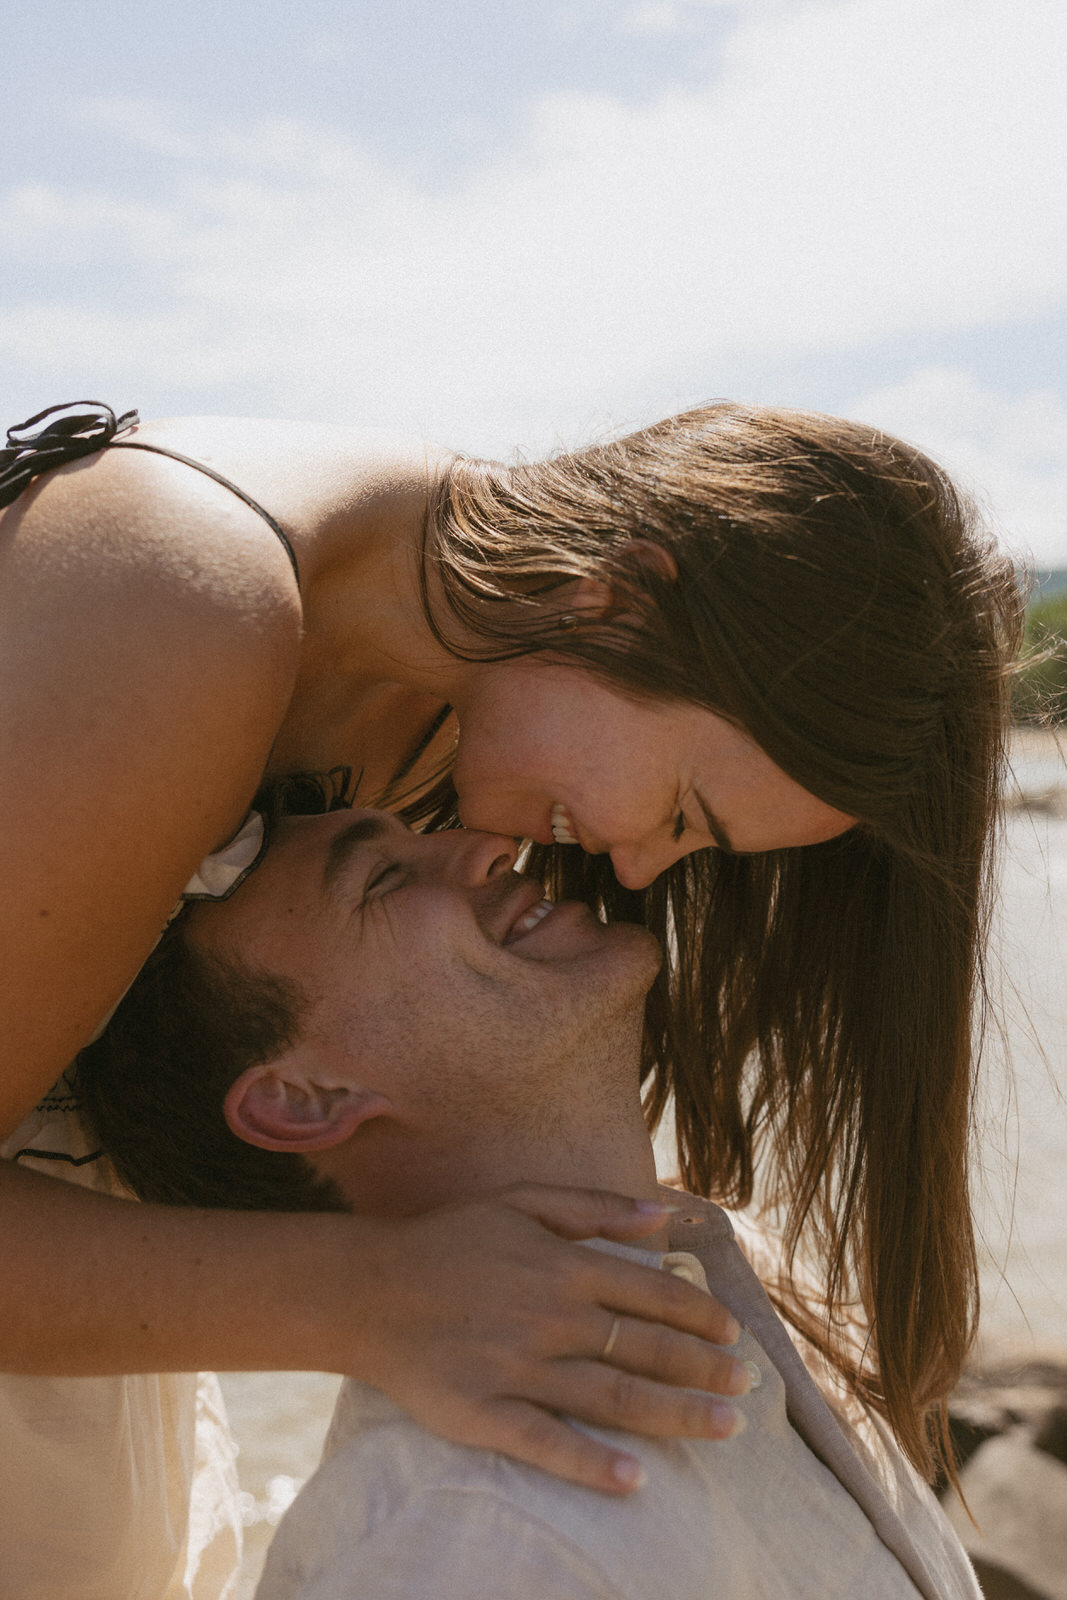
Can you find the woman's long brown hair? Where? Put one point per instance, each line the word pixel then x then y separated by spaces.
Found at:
pixel 817 1020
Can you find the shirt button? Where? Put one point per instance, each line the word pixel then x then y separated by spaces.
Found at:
pixel 688 1270
pixel 754 1373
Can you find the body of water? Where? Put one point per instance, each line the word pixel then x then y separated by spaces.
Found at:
pixel 1021 1181
pixel 279 1419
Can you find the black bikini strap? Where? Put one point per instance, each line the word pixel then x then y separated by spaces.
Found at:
pixel 76 430
pixel 209 472
pixel 82 427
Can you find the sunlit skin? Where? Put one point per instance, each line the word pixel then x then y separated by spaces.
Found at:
pixel 330 885
pixel 162 659
pixel 647 783
pixel 441 991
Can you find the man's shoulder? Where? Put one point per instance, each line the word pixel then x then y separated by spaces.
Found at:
pixel 393 1496
pixel 466 1536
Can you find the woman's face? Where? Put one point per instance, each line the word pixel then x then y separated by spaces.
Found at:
pixel 543 744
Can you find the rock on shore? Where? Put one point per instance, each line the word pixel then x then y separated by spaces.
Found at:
pixel 1009 1426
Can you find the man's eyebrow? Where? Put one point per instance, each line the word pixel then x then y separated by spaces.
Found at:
pixel 714 826
pixel 345 844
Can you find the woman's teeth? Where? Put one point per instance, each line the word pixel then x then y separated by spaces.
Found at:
pixel 529 920
pixel 562 826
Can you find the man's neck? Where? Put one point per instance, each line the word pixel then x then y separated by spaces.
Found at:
pixel 587 1140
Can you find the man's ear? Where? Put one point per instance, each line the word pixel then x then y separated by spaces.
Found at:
pixel 279 1108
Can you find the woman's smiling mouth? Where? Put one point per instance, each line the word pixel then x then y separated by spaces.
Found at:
pixel 563 829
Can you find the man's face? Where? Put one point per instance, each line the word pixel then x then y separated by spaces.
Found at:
pixel 426 959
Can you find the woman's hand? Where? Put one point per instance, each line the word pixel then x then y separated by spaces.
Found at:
pixel 484 1325
pixel 479 1318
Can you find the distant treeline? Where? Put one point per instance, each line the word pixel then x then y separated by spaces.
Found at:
pixel 1040 693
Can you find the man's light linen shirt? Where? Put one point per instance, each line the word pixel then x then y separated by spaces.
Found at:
pixel 395 1513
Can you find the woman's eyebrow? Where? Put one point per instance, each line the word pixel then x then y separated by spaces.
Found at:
pixel 714 826
pixel 344 845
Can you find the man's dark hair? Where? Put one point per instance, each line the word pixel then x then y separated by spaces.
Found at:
pixel 153 1085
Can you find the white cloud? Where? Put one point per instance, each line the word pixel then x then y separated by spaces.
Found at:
pixel 855 170
pixel 142 121
pixel 678 16
pixel 70 229
pixel 654 16
pixel 327 48
pixel 1012 451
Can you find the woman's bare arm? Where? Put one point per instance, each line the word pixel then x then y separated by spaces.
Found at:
pixel 148 642
pixel 477 1319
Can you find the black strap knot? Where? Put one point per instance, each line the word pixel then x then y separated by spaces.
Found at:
pixel 53 436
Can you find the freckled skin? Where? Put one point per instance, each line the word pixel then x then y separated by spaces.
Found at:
pixel 632 776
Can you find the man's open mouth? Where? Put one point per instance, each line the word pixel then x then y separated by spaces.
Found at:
pixel 527 919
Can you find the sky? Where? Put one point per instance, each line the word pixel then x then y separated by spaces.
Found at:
pixel 529 225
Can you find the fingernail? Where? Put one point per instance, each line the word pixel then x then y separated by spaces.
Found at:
pixel 628 1472
pixel 739 1378
pixel 655 1208
pixel 731 1331
pixel 728 1422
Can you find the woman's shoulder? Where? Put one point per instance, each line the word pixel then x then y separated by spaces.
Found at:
pixel 134 587
pixel 122 522
pixel 302 471
pixel 230 509
pixel 149 637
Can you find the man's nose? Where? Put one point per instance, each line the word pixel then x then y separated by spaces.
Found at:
pixel 475 857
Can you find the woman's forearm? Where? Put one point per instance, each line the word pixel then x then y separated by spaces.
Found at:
pixel 480 1319
pixel 96 1285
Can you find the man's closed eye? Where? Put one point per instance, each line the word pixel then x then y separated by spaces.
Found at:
pixel 382 879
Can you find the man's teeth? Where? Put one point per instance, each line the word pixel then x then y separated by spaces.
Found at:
pixel 530 919
pixel 562 826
